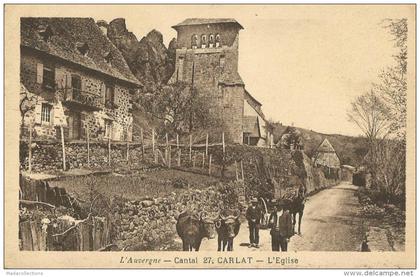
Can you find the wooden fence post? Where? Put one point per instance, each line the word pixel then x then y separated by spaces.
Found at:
pixel 142 141
pixel 236 171
pixel 242 170
pixel 223 142
pixel 88 146
pixel 207 144
pixel 194 160
pixel 30 148
pixel 204 161
pixel 109 151
pixel 190 147
pixel 210 165
pixel 169 157
pixel 179 157
pixel 177 141
pixel 62 144
pixel 167 147
pixel 128 150
pixel 153 140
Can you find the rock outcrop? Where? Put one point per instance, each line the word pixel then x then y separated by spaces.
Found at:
pixel 148 58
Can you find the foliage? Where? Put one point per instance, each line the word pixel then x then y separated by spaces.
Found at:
pixel 179 107
pixel 291 139
pixel 350 150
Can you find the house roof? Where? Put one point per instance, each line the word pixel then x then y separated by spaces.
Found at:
pixel 325 147
pixel 250 125
pixel 66 35
pixel 202 21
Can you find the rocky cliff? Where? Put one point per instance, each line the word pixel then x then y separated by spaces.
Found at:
pixel 148 58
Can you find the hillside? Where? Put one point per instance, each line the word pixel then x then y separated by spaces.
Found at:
pixel 350 150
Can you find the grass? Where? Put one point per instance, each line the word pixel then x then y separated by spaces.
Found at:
pixel 157 183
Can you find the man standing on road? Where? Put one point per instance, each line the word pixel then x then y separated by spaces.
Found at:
pixel 253 215
pixel 281 227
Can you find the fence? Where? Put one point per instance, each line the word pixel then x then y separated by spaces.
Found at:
pixel 193 152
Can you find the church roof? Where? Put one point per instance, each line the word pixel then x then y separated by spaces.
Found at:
pixel 325 147
pixel 203 21
pixel 67 36
pixel 252 98
pixel 251 126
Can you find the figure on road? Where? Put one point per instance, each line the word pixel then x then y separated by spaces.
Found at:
pixel 281 227
pixel 253 215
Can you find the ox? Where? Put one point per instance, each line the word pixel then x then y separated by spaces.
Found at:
pixel 192 228
pixel 227 229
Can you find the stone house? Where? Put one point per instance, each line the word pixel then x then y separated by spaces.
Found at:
pixel 76 78
pixel 207 59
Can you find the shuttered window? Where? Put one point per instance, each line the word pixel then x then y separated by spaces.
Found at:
pixel 48 79
pixel 46 113
pixel 109 96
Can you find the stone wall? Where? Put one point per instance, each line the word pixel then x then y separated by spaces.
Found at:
pixel 47 156
pixel 147 224
pixel 150 224
pixel 90 83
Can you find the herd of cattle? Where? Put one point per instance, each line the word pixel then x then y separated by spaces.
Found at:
pixel 193 227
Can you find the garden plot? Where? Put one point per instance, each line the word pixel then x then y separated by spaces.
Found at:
pixel 135 185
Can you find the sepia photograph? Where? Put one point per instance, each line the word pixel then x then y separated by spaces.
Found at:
pixel 264 131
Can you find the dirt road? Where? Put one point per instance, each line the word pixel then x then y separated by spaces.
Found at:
pixel 330 223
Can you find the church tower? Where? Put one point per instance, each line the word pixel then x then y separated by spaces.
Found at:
pixel 207 59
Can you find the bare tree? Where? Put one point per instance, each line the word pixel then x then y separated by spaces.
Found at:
pixel 381 115
pixel 393 80
pixel 370 114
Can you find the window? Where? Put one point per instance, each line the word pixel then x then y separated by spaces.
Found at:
pixel 211 41
pixel 45 32
pixel 108 57
pixel 108 127
pixel 203 41
pixel 46 113
pixel 83 48
pixel 194 41
pixel 217 41
pixel 109 96
pixel 48 77
pixel 76 84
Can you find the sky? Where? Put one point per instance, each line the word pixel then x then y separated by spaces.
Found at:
pixel 305 64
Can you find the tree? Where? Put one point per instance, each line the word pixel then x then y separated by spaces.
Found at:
pixel 180 108
pixel 393 80
pixel 381 114
pixel 370 114
pixel 27 104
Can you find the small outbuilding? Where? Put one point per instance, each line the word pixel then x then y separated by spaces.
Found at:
pixel 327 158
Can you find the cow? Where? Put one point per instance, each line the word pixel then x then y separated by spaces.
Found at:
pixel 227 229
pixel 192 228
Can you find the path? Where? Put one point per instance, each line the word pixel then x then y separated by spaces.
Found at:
pixel 330 223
